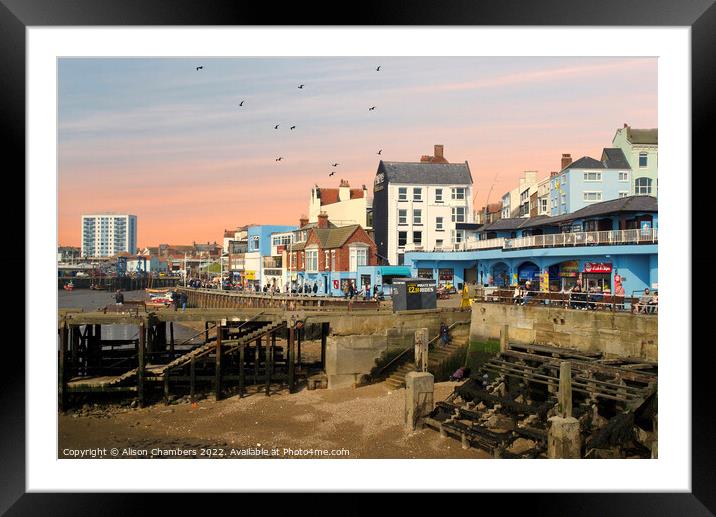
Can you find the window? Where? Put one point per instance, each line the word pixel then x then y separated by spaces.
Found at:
pixel 312 260
pixel 402 239
pixel 623 193
pixel 439 224
pixel 458 214
pixel 592 196
pixel 543 205
pixel 623 176
pixel 417 194
pixel 438 195
pixel 456 236
pixel 592 176
pixel 402 216
pixel 643 159
pixel 358 257
pixel 402 193
pixel 418 238
pixel 439 243
pixel 417 216
pixel 458 193
pixel 642 186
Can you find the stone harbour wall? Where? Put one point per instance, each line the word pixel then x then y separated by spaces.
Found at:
pixel 614 334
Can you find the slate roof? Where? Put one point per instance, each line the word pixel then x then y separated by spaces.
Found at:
pixel 334 237
pixel 512 223
pixel 613 158
pixel 643 136
pixel 620 205
pixel 418 173
pixel 585 162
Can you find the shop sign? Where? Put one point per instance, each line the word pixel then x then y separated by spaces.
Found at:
pixel 445 274
pixel 336 284
pixel 378 184
pixel 250 275
pixel 570 268
pixel 597 267
pixel 544 281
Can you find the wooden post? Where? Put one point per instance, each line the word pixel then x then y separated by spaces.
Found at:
pixel 62 380
pixel 299 335
pixel 166 387
pixel 268 362
pixel 565 389
pixel 206 331
pixel 505 338
pixel 171 340
pixel 324 337
pixel 242 372
pixel 257 346
pixel 140 363
pixel 291 358
pixel 192 379
pixel 218 361
pixel 273 351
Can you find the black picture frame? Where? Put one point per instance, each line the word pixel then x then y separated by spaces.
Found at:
pixel 700 15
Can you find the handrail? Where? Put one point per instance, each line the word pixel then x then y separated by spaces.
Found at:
pixel 402 353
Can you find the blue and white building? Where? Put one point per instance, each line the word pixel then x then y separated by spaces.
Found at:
pixel 259 247
pixel 593 244
pixel 107 234
pixel 587 181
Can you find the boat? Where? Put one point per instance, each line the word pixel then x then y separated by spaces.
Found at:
pixel 69 286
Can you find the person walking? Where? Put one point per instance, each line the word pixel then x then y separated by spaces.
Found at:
pixel 465 303
pixel 444 334
pixel 119 297
pixel 351 290
pixel 315 288
pixel 182 301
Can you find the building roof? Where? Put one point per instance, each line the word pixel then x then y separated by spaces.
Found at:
pixel 468 226
pixel 643 136
pixel 328 196
pixel 512 223
pixel 334 237
pixel 314 224
pixel 426 173
pixel 585 162
pixel 613 158
pixel 620 205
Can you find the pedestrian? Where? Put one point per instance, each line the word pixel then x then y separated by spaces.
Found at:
pixel 444 334
pixel 119 297
pixel 465 303
pixel 175 300
pixel 182 301
pixel 351 290
pixel 315 288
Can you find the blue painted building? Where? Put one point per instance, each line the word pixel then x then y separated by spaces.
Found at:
pixel 588 181
pixel 599 245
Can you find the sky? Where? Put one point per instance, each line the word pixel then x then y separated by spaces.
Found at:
pixel 156 138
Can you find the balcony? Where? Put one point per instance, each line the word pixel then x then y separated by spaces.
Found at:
pixel 557 240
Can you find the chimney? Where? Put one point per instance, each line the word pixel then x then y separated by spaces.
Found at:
pixel 439 151
pixel 323 220
pixel 566 160
pixel 303 221
pixel 553 174
pixel 425 158
pixel 626 125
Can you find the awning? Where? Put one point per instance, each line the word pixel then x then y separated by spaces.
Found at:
pixel 395 271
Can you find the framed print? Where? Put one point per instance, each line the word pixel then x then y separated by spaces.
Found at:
pixel 418 241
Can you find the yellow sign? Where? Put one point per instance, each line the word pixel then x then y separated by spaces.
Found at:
pixel 250 275
pixel 544 281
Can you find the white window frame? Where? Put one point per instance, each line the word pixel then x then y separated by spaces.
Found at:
pixel 584 196
pixel 398 239
pixel 645 155
pixel 458 193
pixel 439 224
pixel 402 216
pixel 418 216
pixel 637 188
pixel 311 255
pixel 454 217
pixel 402 193
pixel 356 252
pixel 597 174
pixel 623 176
pixel 623 193
pixel 420 242
pixel 438 195
pixel 456 236
pixel 417 194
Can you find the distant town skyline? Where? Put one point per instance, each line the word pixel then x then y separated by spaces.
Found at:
pixel 172 144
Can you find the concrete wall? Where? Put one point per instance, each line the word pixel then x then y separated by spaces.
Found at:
pixel 358 346
pixel 615 334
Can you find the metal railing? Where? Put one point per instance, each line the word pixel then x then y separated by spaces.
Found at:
pixel 603 238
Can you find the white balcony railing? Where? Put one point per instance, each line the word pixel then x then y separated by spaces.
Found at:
pixel 606 238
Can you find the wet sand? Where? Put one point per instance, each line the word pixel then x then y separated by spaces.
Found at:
pixel 364 422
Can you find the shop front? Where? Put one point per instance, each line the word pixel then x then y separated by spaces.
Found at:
pixel 446 277
pixel 597 275
pixel 563 276
pixel 528 272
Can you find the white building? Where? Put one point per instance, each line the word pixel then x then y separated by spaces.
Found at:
pixel 516 202
pixel 105 235
pixel 542 205
pixel 416 205
pixel 344 205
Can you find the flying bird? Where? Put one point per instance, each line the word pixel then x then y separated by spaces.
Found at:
pixel 279 158
pixel 241 103
pixel 336 164
pixel 276 126
pixel 200 68
pixel 371 108
pixel 292 128
pixel 380 152
pixel 377 69
pixel 332 173
pixel 300 87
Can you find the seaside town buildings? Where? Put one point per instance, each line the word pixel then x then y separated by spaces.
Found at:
pixel 343 205
pixel 641 149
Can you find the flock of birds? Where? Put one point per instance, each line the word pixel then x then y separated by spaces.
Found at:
pixel 291 128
